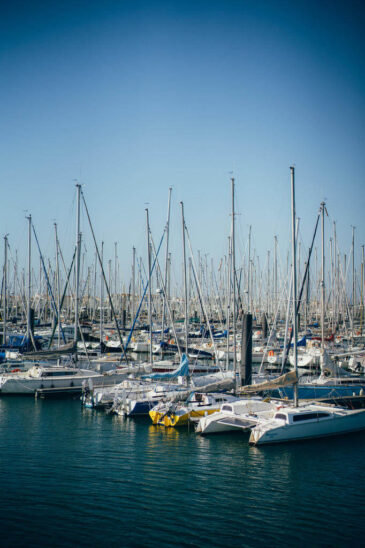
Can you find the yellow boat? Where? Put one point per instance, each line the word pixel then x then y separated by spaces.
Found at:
pixel 197 405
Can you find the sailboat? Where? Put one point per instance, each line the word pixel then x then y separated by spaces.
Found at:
pixel 198 404
pixel 299 422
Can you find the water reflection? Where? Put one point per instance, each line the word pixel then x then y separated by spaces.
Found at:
pixel 157 432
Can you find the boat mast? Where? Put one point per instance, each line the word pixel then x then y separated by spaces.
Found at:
pixel 322 280
pixel 133 282
pixel 57 288
pixel 149 283
pixel 249 273
pixel 229 284
pixel 77 273
pixel 294 267
pixel 234 289
pixel 353 282
pixel 29 276
pixel 5 300
pixel 185 282
pixel 115 271
pixel 275 276
pixel 362 289
pixel 101 294
pixel 166 264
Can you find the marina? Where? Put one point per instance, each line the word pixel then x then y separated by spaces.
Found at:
pixel 182 274
pixel 149 400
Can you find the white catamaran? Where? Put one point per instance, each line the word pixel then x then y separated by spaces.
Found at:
pixel 305 421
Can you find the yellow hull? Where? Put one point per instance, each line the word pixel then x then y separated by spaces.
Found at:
pixel 180 420
pixel 155 416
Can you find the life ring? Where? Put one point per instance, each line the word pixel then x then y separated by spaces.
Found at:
pixel 271 353
pixel 16 370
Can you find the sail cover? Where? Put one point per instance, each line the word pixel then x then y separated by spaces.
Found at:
pixel 279 382
pixel 181 371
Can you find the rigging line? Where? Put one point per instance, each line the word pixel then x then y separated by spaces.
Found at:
pixel 47 280
pixel 202 302
pixel 106 285
pixel 286 349
pixel 18 281
pixel 64 294
pixel 143 296
pixel 166 301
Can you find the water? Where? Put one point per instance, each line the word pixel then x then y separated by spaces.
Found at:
pixel 71 476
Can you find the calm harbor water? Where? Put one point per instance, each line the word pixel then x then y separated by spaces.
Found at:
pixel 76 477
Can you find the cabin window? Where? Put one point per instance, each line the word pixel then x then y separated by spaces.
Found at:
pixel 310 416
pixel 280 416
pixel 226 408
pixel 59 373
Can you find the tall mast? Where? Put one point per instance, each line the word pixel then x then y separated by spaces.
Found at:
pixel 322 279
pixel 275 275
pixel 29 276
pixel 249 272
pixel 133 282
pixel 149 282
pixel 353 279
pixel 336 277
pixel 57 288
pixel 294 267
pixel 185 281
pixel 101 293
pixel 234 289
pixel 229 285
pixel 115 269
pixel 78 249
pixel 362 288
pixel 5 300
pixel 166 264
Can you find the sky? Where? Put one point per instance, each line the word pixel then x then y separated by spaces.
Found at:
pixel 132 97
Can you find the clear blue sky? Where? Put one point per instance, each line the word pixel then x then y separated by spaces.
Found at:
pixel 131 97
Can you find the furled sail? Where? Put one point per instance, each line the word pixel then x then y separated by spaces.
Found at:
pixel 284 380
pixel 49 354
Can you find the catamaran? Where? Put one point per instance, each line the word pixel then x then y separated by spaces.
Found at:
pixel 299 422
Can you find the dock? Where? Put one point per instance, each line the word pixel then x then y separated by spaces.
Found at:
pixel 62 392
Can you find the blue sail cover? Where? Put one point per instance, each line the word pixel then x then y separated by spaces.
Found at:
pixel 181 371
pixel 301 342
pixel 20 342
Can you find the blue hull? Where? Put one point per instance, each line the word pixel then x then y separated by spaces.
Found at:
pixel 317 392
pixel 142 407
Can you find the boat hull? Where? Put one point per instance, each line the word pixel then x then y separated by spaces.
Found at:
pixel 14 385
pixel 350 422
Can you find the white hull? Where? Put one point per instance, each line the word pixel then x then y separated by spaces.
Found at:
pixel 338 422
pixel 239 415
pixel 16 384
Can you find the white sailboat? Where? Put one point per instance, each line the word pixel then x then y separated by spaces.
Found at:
pixel 40 377
pixel 241 415
pixel 306 421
